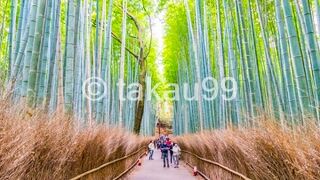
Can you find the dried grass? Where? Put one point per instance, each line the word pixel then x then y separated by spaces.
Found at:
pixel 265 152
pixel 33 146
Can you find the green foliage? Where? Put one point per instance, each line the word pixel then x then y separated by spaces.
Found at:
pixel 241 39
pixel 4 24
pixel 220 38
pixel 54 46
pixel 175 40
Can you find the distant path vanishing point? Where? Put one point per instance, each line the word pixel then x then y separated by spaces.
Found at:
pixel 154 170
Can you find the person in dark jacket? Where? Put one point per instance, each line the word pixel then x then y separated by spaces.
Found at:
pixel 165 152
pixel 158 144
pixel 170 146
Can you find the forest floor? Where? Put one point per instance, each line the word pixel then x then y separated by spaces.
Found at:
pixel 153 169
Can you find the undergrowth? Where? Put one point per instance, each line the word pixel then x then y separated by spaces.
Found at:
pixel 35 146
pixel 267 151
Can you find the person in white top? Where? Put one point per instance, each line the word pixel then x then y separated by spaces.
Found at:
pixel 151 150
pixel 176 155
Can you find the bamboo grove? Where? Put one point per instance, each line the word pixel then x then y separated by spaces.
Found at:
pixel 53 46
pixel 271 49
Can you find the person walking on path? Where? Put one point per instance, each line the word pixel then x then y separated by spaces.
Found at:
pixel 158 143
pixel 164 153
pixel 151 150
pixel 170 146
pixel 176 155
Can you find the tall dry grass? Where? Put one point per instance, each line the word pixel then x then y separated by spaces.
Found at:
pixel 33 146
pixel 265 152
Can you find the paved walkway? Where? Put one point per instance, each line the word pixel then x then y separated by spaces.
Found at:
pixel 154 170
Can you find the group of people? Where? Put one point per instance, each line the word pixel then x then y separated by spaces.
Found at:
pixel 169 150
